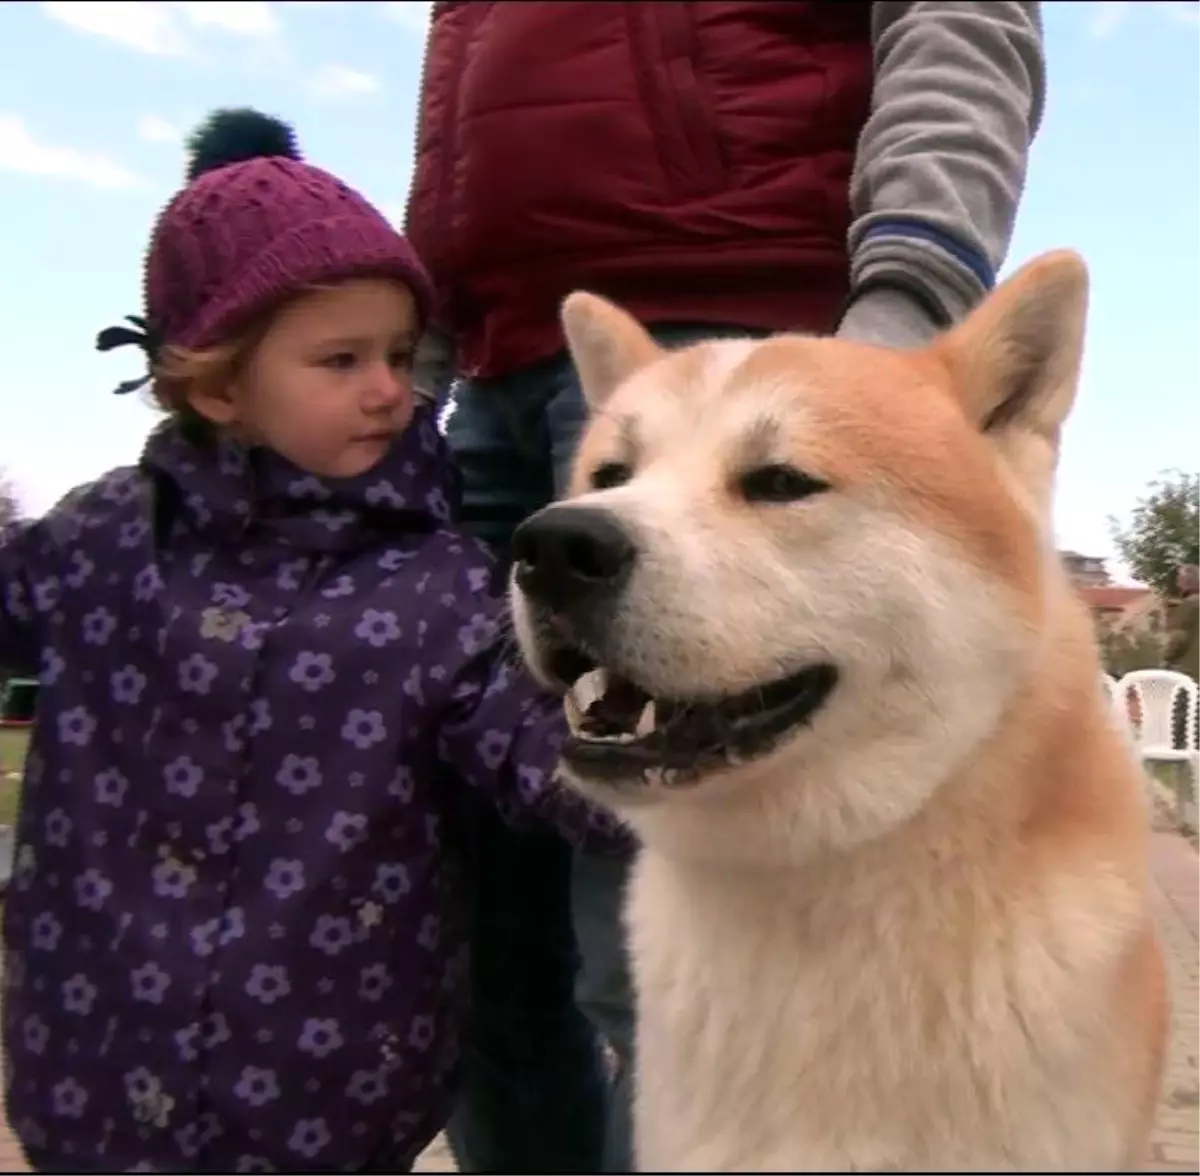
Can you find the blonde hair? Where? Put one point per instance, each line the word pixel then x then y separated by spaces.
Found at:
pixel 181 372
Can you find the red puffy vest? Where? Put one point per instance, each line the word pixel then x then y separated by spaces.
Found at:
pixel 690 161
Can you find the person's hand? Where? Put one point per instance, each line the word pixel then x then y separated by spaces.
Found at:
pixel 888 317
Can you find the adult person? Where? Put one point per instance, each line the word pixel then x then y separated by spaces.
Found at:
pixel 716 168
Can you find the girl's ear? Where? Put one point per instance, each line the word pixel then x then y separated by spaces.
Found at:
pixel 216 403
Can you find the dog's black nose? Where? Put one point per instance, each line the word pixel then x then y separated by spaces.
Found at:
pixel 564 553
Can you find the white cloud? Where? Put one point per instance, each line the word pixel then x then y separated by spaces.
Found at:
pixel 343 81
pixel 1181 11
pixel 163 29
pixel 154 129
pixel 411 14
pixel 21 152
pixel 146 27
pixel 1110 15
pixel 244 18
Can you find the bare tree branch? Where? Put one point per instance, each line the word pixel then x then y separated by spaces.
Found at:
pixel 10 502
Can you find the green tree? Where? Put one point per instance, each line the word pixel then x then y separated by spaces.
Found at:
pixel 1163 531
pixel 1138 649
pixel 10 511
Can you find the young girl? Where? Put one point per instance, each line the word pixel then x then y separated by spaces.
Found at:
pixel 267 663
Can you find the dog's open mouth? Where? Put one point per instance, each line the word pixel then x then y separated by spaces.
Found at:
pixel 619 731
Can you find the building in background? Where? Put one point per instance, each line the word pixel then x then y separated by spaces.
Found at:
pixel 1086 571
pixel 1129 619
pixel 1116 608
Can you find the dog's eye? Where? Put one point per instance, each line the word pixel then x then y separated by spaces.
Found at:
pixel 779 483
pixel 612 473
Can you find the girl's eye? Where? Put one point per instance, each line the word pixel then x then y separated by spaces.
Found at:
pixel 401 360
pixel 342 361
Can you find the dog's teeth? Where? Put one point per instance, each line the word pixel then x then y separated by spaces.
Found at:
pixel 586 691
pixel 646 721
pixel 616 738
pixel 662 777
pixel 590 687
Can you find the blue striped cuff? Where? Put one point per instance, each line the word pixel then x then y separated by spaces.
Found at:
pixel 922 230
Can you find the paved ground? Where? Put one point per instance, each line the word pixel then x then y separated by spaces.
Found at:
pixel 1176 1143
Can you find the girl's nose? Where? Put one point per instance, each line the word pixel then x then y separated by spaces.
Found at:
pixel 385 385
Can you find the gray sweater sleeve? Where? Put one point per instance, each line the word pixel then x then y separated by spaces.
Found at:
pixel 958 97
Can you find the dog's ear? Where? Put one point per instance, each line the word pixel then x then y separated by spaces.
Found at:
pixel 1015 360
pixel 607 344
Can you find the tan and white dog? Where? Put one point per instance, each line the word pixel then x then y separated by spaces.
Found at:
pixel 891 911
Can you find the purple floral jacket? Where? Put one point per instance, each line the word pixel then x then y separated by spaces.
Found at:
pixel 232 933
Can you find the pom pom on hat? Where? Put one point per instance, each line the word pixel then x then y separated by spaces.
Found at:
pixel 254 225
pixel 235 135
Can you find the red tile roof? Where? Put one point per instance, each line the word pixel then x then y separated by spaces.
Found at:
pixel 1111 596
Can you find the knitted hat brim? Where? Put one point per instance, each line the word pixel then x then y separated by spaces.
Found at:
pixel 318 252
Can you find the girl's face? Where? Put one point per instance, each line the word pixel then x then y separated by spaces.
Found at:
pixel 329 387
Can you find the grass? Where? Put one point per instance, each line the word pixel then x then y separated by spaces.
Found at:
pixel 12 760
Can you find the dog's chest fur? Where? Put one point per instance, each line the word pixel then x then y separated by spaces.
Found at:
pixel 890 1021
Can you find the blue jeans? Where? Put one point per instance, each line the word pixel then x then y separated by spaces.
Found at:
pixel 549 969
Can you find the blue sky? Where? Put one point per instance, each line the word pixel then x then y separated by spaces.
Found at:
pixel 93 97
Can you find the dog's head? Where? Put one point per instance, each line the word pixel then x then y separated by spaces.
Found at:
pixel 780 558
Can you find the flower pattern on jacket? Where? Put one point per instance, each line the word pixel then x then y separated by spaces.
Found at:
pixel 233 934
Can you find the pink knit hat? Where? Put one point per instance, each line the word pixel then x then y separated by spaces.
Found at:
pixel 254 225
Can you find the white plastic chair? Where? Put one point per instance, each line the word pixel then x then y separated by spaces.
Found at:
pixel 1119 707
pixel 1153 730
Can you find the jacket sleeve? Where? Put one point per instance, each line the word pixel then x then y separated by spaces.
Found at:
pixel 503 736
pixel 19 643
pixel 958 97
